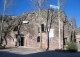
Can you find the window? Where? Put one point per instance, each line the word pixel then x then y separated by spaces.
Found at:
pixel 38 39
pixel 42 27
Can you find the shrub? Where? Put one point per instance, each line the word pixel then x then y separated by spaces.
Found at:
pixel 72 47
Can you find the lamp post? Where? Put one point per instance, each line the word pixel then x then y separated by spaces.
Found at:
pixel 40 8
pixel 57 7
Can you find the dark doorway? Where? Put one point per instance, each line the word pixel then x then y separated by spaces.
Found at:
pixel 38 39
pixel 22 41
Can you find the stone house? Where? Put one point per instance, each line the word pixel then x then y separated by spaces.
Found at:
pixel 49 19
pixel 30 32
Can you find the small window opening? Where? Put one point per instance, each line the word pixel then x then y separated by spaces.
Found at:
pixel 42 27
pixel 38 39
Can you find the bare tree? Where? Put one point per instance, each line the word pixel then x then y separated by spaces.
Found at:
pixel 20 21
pixel 10 24
pixel 36 3
pixel 39 5
pixel 7 5
pixel 60 8
pixel 73 22
pixel 63 4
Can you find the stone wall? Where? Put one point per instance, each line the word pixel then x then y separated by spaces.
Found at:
pixel 49 19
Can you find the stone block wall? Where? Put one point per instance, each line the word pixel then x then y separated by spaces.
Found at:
pixel 50 20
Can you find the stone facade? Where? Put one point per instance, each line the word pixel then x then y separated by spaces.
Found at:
pixel 49 21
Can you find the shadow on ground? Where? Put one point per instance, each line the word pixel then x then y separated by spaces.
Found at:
pixel 3 48
pixel 41 54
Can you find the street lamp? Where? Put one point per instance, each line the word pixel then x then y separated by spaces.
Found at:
pixel 57 7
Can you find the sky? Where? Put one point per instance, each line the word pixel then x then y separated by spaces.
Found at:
pixel 21 6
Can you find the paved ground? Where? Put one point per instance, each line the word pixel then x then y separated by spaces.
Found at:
pixel 20 52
